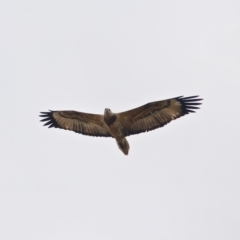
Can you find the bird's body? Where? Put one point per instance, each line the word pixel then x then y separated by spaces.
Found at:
pixel 116 130
pixel 120 125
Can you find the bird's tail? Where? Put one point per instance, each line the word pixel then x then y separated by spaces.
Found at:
pixel 123 145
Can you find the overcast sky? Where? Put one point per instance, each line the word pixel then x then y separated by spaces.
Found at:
pixel 181 182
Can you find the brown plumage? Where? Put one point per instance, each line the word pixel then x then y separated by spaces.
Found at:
pixel 120 125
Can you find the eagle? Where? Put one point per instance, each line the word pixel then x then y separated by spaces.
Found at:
pixel 148 117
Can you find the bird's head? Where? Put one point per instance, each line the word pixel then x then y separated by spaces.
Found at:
pixel 107 112
pixel 109 116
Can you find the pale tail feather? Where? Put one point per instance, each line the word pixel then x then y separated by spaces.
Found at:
pixel 123 145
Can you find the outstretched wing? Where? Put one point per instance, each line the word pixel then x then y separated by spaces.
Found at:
pixel 156 114
pixel 84 123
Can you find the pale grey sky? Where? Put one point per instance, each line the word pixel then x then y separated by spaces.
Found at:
pixel 181 182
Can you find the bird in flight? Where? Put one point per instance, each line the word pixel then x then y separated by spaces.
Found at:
pixel 120 125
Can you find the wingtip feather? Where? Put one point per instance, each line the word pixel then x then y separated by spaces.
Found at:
pixel 190 103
